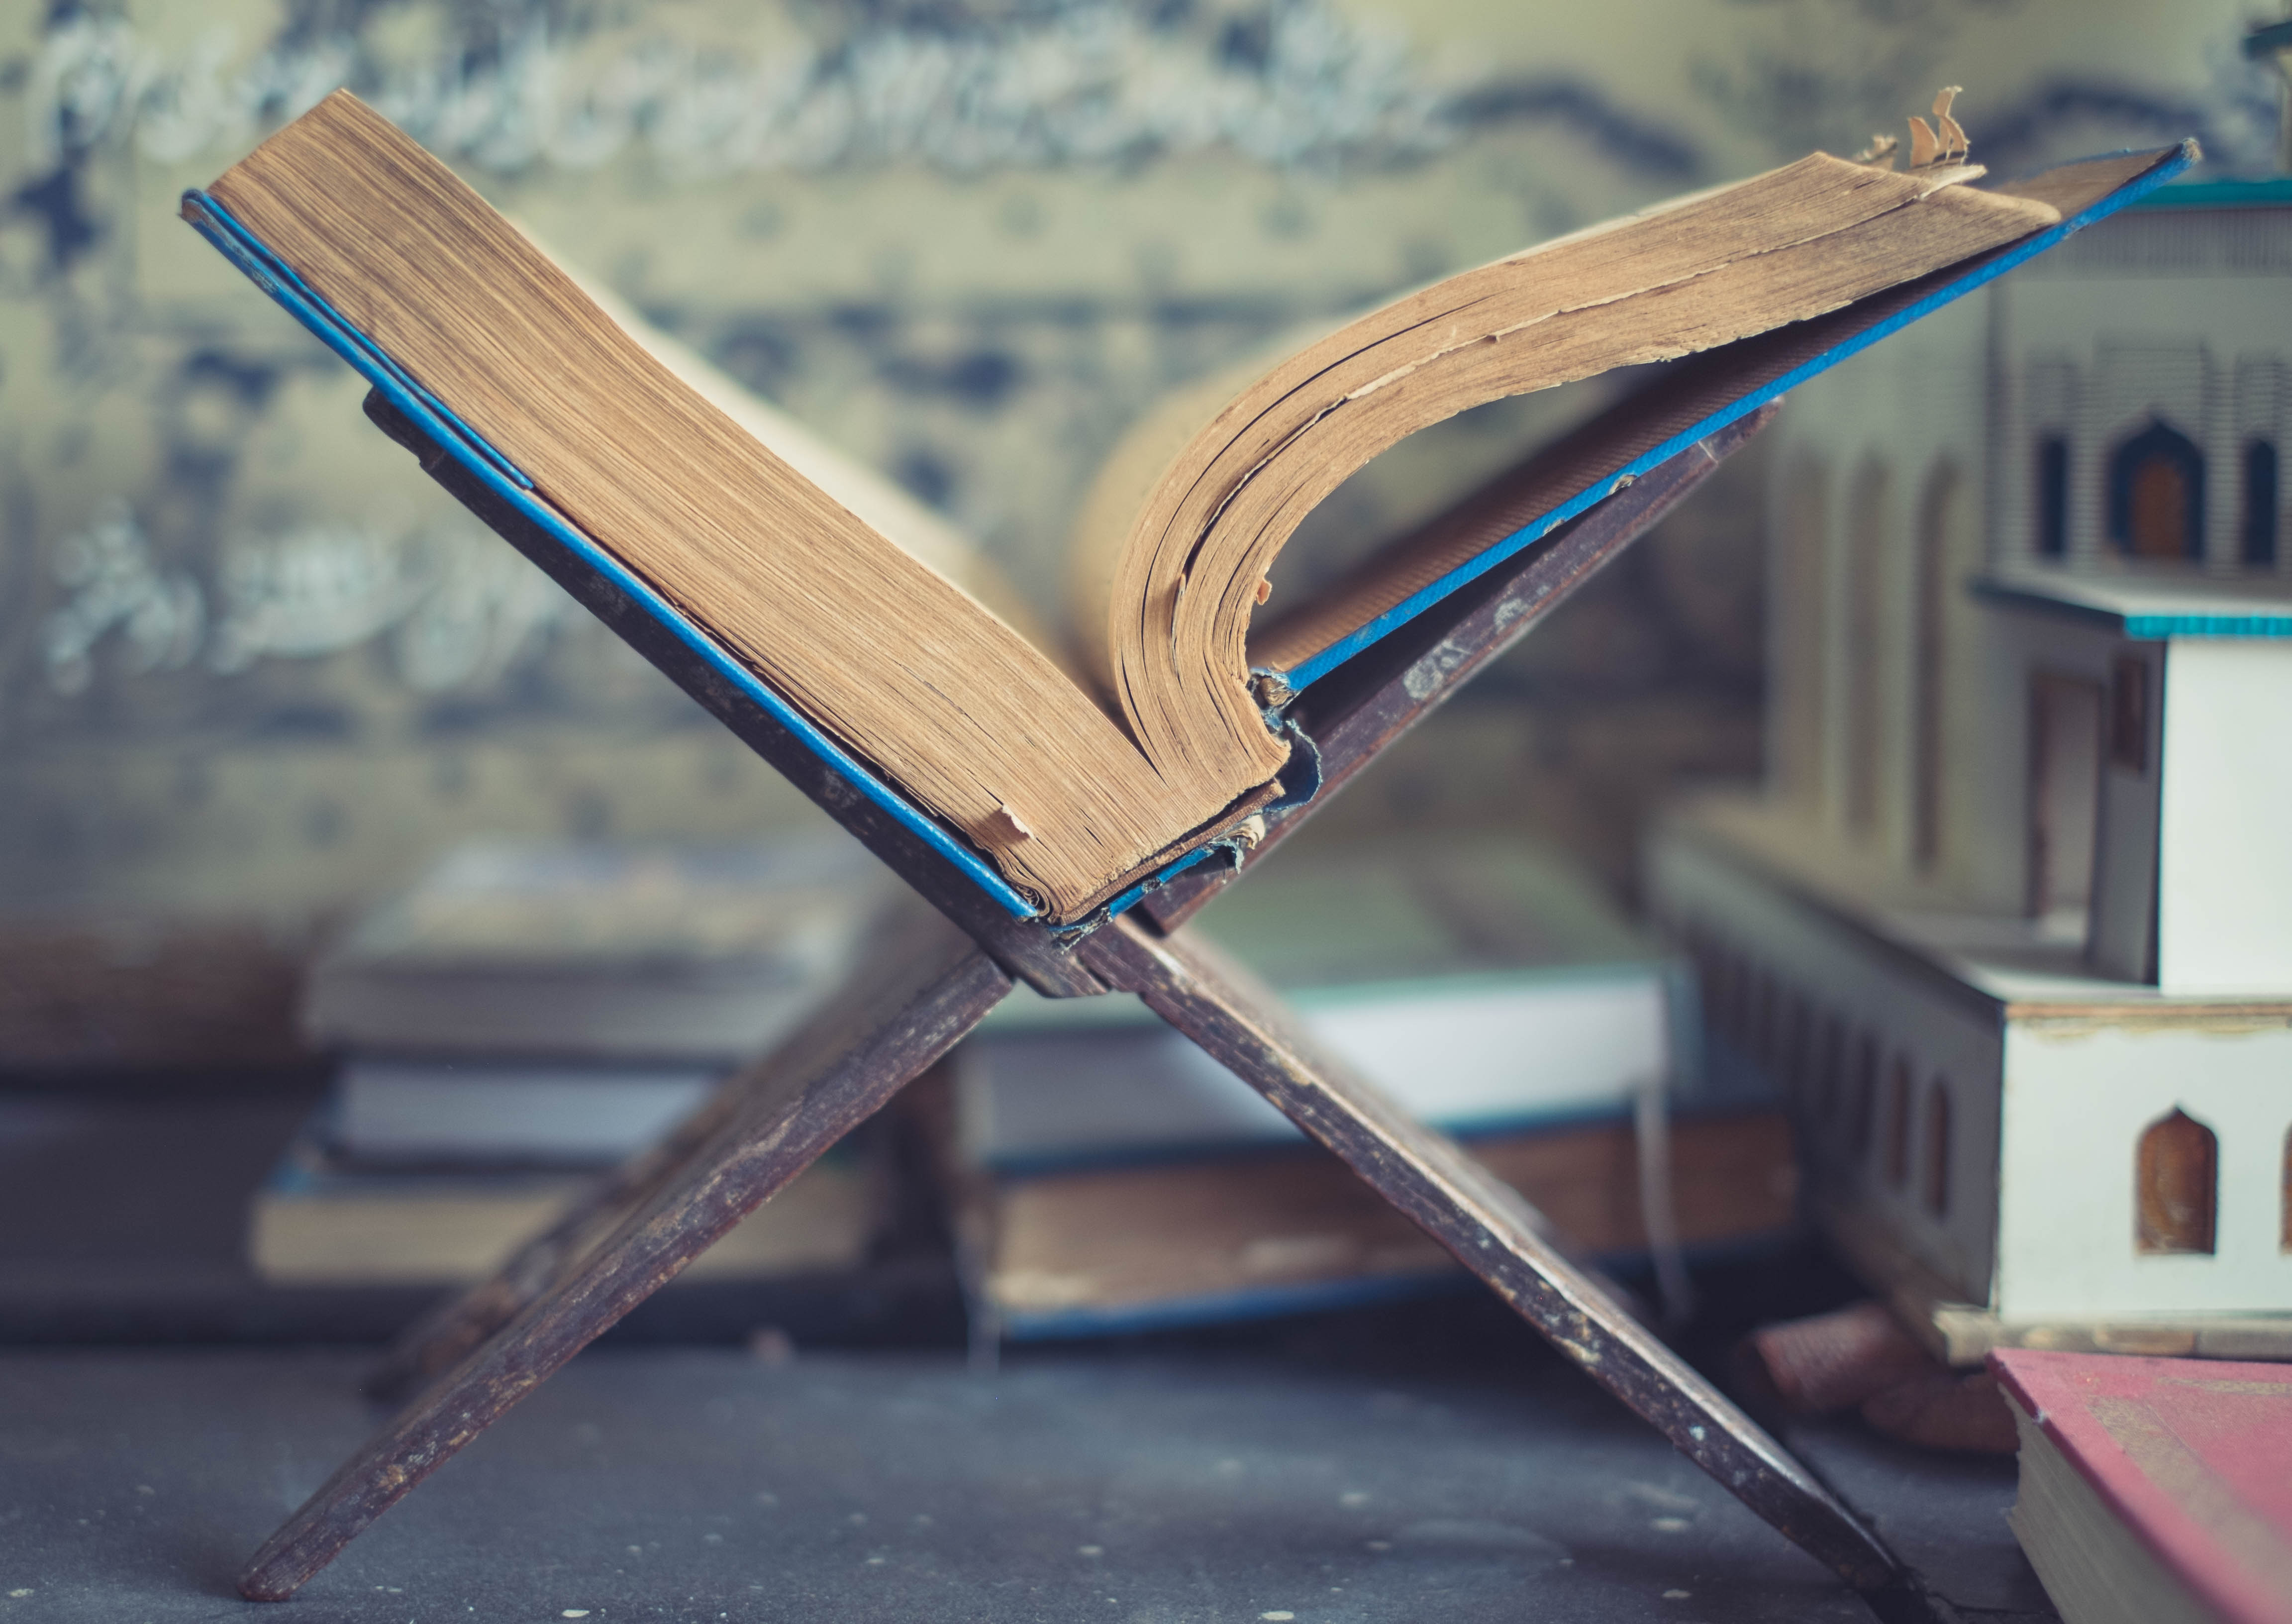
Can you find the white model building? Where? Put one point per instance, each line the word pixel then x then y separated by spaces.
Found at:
pixel 2011 925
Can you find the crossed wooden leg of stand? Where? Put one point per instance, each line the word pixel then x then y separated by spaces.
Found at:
pixel 489 1349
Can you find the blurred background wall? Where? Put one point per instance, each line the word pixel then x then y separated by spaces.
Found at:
pixel 253 669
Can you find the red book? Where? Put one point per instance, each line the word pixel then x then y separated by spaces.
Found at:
pixel 2154 1490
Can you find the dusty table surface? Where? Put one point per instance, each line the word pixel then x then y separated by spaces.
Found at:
pixel 1943 1515
pixel 124 1217
pixel 705 1485
pixel 1426 1461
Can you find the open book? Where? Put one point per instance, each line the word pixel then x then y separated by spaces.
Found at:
pixel 1077 762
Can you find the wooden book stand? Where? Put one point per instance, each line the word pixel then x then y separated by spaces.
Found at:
pixel 938 969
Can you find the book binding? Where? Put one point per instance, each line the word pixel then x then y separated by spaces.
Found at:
pixel 503 479
pixel 1989 270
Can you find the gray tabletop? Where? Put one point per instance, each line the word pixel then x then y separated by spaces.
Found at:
pixel 1423 1461
pixel 704 1485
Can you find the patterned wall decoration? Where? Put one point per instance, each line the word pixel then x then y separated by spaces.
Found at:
pixel 251 664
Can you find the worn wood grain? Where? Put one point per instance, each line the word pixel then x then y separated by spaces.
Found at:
pixel 1489 1227
pixel 1358 710
pixel 442 1337
pixel 450 1332
pixel 952 961
pixel 895 1018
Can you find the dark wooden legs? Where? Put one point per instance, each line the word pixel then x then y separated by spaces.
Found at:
pixel 918 996
pixel 922 991
pixel 1487 1224
pixel 483 1352
pixel 450 1332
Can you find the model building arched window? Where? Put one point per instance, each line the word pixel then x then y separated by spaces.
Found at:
pixel 1898 1126
pixel 1864 1105
pixel 2176 1185
pixel 1703 954
pixel 1831 1088
pixel 2260 496
pixel 1867 550
pixel 2157 495
pixel 2053 496
pixel 1940 522
pixel 1798 1053
pixel 1937 1178
pixel 1727 994
pixel 1742 990
pixel 1795 679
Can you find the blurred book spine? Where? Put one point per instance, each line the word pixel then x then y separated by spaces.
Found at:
pixel 529 1013
pixel 1108 1176
pixel 1111 1250
pixel 595 950
pixel 2154 1490
pixel 316 1222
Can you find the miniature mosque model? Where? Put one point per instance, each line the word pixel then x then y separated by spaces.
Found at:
pixel 2010 926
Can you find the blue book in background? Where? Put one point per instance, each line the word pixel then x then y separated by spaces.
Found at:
pixel 1113 1177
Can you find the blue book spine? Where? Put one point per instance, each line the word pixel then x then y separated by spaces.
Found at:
pixel 502 477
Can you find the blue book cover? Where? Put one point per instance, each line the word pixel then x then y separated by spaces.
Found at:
pixel 1713 390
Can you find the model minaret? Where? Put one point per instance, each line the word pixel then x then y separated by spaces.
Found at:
pixel 2010 924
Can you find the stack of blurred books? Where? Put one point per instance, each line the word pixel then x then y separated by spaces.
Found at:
pixel 529 1013
pixel 1108 1176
